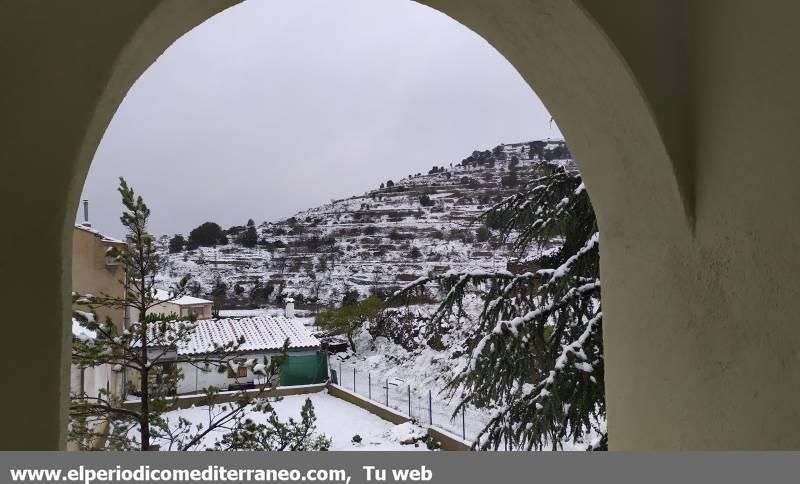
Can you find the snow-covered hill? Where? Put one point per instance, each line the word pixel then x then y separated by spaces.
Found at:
pixel 372 243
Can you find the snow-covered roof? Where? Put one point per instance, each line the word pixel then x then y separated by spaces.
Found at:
pixel 242 313
pixel 162 295
pixel 262 333
pixel 104 238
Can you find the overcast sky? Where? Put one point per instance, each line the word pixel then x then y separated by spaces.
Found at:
pixel 275 106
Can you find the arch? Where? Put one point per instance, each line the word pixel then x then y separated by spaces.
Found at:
pixel 558 46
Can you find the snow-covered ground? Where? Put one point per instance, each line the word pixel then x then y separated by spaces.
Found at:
pixel 391 375
pixel 336 418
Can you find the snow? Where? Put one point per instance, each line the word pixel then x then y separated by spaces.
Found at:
pixel 163 295
pixel 104 238
pixel 82 333
pixel 336 418
pixel 242 313
pixel 406 432
pixel 380 362
pixel 263 333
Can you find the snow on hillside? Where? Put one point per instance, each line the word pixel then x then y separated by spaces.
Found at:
pixel 373 243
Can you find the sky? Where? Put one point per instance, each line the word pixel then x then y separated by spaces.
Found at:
pixel 275 106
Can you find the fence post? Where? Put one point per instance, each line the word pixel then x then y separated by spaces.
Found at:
pixel 354 379
pixel 463 423
pixel 369 384
pixel 341 375
pixel 430 408
pixel 387 392
pixel 409 401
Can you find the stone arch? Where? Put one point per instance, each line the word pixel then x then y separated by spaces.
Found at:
pixel 559 47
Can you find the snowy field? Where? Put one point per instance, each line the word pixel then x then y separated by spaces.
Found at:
pixel 336 418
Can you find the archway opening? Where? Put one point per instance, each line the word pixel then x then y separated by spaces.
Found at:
pixel 566 49
pixel 224 129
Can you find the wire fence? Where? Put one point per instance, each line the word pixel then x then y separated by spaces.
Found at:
pixel 420 404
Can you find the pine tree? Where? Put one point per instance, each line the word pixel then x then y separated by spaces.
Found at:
pixel 219 292
pixel 536 351
pixel 141 351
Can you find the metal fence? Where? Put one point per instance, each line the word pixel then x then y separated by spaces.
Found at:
pixel 421 404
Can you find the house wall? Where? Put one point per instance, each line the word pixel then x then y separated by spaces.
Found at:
pixel 95 379
pixel 195 380
pixel 91 275
pixel 203 311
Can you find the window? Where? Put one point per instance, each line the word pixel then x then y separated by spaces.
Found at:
pixel 241 372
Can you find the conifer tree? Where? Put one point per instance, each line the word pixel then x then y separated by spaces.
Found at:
pixel 536 351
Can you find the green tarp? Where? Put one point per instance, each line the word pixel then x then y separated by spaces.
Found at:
pixel 304 370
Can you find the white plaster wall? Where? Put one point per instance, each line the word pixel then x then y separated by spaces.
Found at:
pixel 196 380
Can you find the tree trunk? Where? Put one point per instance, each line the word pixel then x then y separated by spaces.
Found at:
pixel 144 422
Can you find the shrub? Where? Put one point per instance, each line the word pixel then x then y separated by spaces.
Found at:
pixel 437 234
pixel 176 243
pixel 432 444
pixel 426 201
pixel 482 234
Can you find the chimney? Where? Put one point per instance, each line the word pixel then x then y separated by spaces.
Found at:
pixel 289 307
pixel 86 213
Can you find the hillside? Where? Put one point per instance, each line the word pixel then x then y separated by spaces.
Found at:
pixel 371 243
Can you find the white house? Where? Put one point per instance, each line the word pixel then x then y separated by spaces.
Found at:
pixel 183 306
pixel 263 337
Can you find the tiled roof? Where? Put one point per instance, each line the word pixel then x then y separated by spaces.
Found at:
pixel 162 295
pixel 262 333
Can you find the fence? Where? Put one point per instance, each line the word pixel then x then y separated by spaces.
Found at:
pixel 423 405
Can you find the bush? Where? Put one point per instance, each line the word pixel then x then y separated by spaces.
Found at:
pixel 176 243
pixel 511 180
pixel 482 234
pixel 350 297
pixel 426 201
pixel 437 234
pixel 356 439
pixel 206 235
